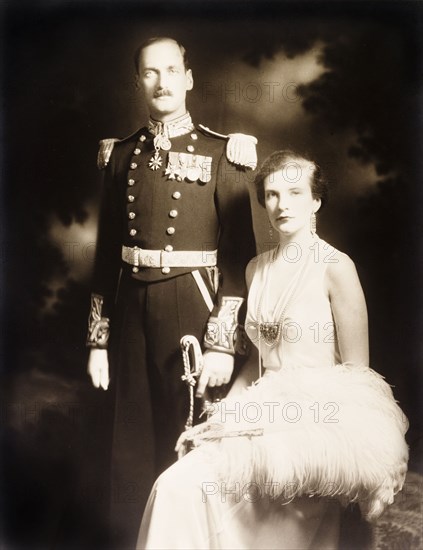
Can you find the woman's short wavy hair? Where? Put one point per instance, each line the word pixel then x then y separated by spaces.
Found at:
pixel 280 159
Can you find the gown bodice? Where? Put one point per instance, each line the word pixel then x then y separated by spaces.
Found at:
pixel 295 326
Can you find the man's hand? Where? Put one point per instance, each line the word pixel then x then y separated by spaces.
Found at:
pixel 217 370
pixel 98 368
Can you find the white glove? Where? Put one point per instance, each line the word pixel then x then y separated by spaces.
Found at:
pixel 98 368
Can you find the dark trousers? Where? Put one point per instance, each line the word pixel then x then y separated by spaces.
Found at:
pixel 151 400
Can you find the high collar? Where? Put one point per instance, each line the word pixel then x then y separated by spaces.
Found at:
pixel 174 128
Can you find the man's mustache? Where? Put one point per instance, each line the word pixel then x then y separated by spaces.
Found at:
pixel 162 93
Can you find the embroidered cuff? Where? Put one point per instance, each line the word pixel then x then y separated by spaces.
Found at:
pixel 98 326
pixel 221 331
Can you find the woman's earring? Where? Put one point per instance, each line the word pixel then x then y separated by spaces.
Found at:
pixel 313 223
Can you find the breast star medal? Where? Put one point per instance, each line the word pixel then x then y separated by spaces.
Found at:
pixel 160 142
pixel 156 161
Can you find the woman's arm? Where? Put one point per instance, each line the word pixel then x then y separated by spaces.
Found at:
pixel 249 272
pixel 249 371
pixel 248 374
pixel 349 310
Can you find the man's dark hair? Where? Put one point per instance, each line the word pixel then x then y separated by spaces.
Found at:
pixel 156 40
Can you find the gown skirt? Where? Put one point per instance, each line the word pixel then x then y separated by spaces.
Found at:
pixel 272 466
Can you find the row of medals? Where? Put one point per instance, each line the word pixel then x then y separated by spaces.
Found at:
pixel 163 142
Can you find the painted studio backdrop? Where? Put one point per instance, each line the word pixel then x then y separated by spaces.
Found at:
pixel 342 83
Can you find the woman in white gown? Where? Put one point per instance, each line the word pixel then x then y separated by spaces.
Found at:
pixel 275 462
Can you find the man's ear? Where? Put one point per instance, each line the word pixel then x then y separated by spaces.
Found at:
pixel 190 80
pixel 137 81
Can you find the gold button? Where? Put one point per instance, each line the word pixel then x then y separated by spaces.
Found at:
pixel 168 248
pixel 194 136
pixel 133 232
pixel 133 165
pixel 143 138
pixel 131 182
pixel 165 270
pixel 170 230
pixel 131 215
pixel 190 148
pixel 173 213
pixel 135 269
pixel 176 195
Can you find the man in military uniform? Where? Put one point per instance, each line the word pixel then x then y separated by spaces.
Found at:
pixel 175 235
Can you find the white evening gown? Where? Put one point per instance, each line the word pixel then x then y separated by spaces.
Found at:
pixel 276 463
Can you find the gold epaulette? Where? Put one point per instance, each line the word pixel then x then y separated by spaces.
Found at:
pixel 240 148
pixel 105 151
pixel 106 148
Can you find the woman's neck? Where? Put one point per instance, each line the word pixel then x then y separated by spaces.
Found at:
pixel 295 245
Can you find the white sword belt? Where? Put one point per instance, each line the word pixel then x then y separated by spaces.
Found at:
pixel 140 257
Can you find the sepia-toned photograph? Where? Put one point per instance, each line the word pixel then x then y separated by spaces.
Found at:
pixel 211 266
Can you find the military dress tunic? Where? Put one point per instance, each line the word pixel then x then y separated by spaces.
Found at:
pixel 196 200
